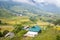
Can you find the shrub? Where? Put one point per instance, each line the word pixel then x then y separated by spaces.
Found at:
pixel 0 22
pixel 5 32
pixel 33 19
pixel 57 22
pixel 1 35
pixel 18 28
pixel 57 37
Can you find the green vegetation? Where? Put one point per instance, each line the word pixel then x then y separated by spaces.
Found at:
pixel 0 22
pixel 57 22
pixel 9 22
pixel 5 13
pixel 48 34
pixel 5 32
pixel 33 19
pixel 58 37
pixel 1 35
pixel 18 28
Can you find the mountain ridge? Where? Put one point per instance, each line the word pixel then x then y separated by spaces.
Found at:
pixel 30 8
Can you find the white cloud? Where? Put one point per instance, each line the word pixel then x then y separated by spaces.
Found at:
pixel 55 2
pixel 21 0
pixel 25 1
pixel 39 1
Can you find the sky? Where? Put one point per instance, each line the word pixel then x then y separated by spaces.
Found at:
pixel 55 2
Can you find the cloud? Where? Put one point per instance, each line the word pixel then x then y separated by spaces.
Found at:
pixel 55 2
pixel 21 0
pixel 25 1
pixel 39 1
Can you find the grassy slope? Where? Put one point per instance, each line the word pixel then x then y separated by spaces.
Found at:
pixel 18 20
pixel 45 35
pixel 6 27
pixel 5 13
